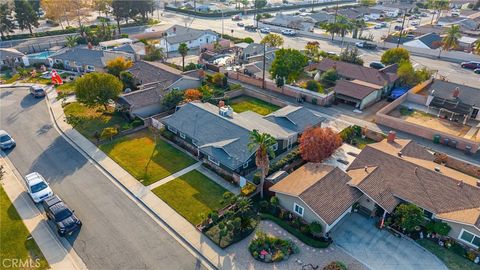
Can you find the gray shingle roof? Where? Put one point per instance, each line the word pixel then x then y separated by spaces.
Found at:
pixel 149 73
pixel 9 53
pixel 81 56
pixel 135 48
pixel 185 34
pixel 141 98
pixel 295 118
pixel 444 89
pixel 431 40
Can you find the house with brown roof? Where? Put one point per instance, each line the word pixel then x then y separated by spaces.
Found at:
pixel 155 80
pixel 383 176
pixel 360 86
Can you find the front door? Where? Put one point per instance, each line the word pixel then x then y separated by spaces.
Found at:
pixel 474 113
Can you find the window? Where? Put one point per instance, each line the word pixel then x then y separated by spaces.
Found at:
pixel 298 209
pixel 470 238
pixel 214 161
pixel 245 165
pixel 172 129
pixel 195 142
pixel 182 135
pixel 275 147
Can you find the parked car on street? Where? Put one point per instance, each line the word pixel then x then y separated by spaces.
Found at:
pixel 398 28
pixel 366 45
pixel 240 24
pixel 37 187
pixel 477 70
pixel 378 26
pixel 64 218
pixel 251 28
pixel 265 30
pixel 37 91
pixel 376 65
pixel 236 18
pixel 289 32
pixel 6 141
pixel 470 65
pixel 414 23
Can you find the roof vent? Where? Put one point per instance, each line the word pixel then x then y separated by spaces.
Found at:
pixel 226 111
pixel 460 184
pixel 478 183
pixel 415 170
pixel 366 169
pixel 437 169
pixel 400 154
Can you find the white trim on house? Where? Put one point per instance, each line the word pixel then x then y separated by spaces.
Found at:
pixel 172 129
pixel 182 135
pixel 295 206
pixel 467 242
pixel 213 160
pixel 245 165
pixel 275 146
pixel 195 142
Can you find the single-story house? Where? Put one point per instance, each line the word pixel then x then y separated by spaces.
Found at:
pixel 11 57
pixel 360 86
pixel 221 136
pixel 427 41
pixel 383 176
pixel 82 59
pixel 194 38
pixel 388 11
pixel 137 49
pixel 291 21
pixel 154 80
pixel 322 17
pixel 467 43
pixel 250 53
pixel 110 44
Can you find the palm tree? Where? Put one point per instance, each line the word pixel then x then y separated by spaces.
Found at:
pixel 453 34
pixel 358 26
pixel 331 28
pixel 71 41
pixel 263 143
pixel 345 26
pixel 183 50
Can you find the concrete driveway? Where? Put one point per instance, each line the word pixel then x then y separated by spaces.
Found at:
pixel 379 249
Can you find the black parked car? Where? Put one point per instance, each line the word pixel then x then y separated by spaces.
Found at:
pixel 470 65
pixel 376 65
pixel 65 219
pixel 251 28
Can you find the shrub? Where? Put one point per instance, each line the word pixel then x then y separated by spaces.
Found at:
pixel 439 227
pixel 268 248
pixel 218 80
pixel 108 133
pixel 264 205
pixel 248 189
pixel 315 227
pixel 257 177
pixel 248 40
pixel 471 255
pixel 335 266
pixel 314 86
pixel 329 77
pixel 190 66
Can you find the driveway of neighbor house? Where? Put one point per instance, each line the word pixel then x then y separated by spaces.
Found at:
pixel 379 249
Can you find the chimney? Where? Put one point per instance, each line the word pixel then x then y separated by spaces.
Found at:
pixel 478 183
pixel 221 103
pixel 456 92
pixel 415 170
pixel 460 184
pixel 391 136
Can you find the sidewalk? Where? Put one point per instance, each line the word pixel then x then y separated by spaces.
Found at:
pixel 52 247
pixel 189 237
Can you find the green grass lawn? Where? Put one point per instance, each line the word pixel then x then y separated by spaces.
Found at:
pixel 246 103
pixel 362 142
pixel 66 88
pixel 95 119
pixel 138 154
pixel 15 239
pixel 38 80
pixel 191 194
pixel 10 79
pixel 451 259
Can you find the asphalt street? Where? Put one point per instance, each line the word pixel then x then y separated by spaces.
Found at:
pixel 116 232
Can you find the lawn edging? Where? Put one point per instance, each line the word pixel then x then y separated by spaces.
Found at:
pixel 306 240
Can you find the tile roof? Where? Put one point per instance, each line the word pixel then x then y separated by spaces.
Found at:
pixel 411 178
pixel 352 71
pixel 355 89
pixel 322 187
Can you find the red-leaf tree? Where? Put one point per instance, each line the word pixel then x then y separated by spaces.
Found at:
pixel 317 144
pixel 192 94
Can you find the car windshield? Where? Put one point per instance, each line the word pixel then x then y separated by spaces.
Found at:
pixel 4 138
pixel 65 213
pixel 39 90
pixel 39 187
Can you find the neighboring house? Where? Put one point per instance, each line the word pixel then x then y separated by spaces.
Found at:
pixel 194 38
pixel 221 136
pixel 383 176
pixel 358 85
pixel 137 49
pixel 467 43
pixel 11 57
pixel 291 21
pixel 427 41
pixel 322 17
pixel 155 80
pixel 388 11
pixel 110 44
pixel 82 59
pixel 254 51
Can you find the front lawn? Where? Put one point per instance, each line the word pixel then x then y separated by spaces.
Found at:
pixel 66 88
pixel 191 195
pixel 451 259
pixel 94 120
pixel 15 240
pixel 147 162
pixel 246 103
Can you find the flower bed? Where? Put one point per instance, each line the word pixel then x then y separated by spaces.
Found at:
pixel 266 248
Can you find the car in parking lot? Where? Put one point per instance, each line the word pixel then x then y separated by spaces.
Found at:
pixel 240 24
pixel 470 64
pixel 37 187
pixel 289 32
pixel 366 45
pixel 6 141
pixel 376 65
pixel 265 30
pixel 37 91
pixel 477 70
pixel 64 218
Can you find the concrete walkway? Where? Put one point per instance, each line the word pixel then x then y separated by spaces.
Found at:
pixel 57 251
pixel 175 175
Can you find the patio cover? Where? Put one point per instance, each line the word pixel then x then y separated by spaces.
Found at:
pixel 452 105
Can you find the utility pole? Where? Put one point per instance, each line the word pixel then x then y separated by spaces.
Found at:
pixel 264 64
pixel 222 24
pixel 401 31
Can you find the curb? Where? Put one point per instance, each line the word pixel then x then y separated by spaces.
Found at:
pixel 137 199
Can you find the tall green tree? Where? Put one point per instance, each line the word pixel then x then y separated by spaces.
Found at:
pixel 438 6
pixel 450 41
pixel 260 3
pixel 408 216
pixel 330 27
pixel 351 55
pixel 263 144
pixel 121 11
pixel 288 64
pixel 25 15
pixel 6 24
pixel 395 56
pixel 143 7
pixel 358 26
pixel 183 50
pixel 94 89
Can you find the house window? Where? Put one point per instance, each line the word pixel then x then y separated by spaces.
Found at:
pixel 58 61
pixel 172 129
pixel 195 142
pixel 275 147
pixel 182 135
pixel 298 209
pixel 245 165
pixel 470 238
pixel 214 161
